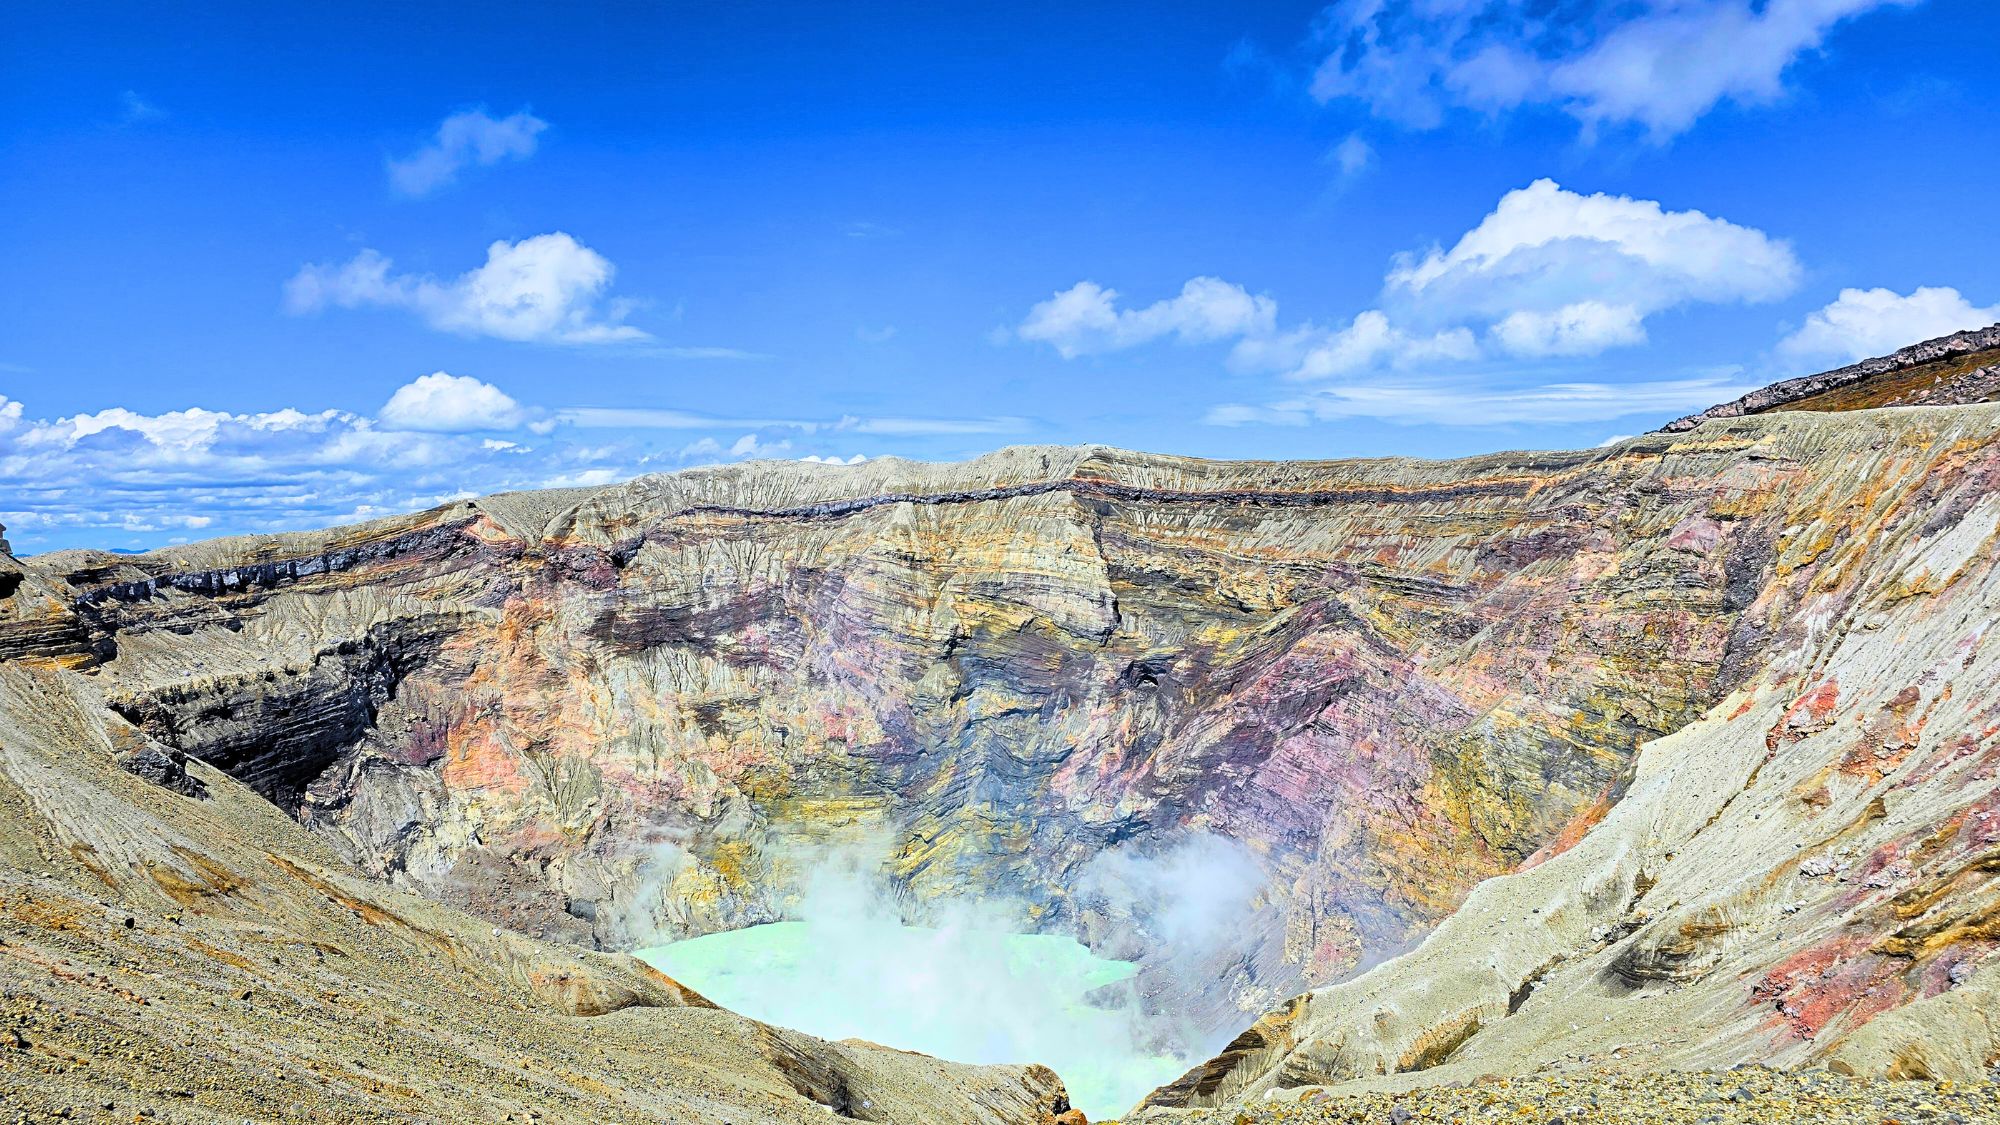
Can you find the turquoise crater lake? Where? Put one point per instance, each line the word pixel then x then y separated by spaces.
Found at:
pixel 964 994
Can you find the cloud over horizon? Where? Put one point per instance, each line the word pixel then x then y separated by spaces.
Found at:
pixel 92 478
pixel 1862 323
pixel 448 403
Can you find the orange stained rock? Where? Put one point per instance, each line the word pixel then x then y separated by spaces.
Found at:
pixel 1837 980
pixel 476 758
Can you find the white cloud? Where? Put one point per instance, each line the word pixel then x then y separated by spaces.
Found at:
pixel 750 445
pixel 1547 250
pixel 180 436
pixel 585 478
pixel 1548 273
pixel 451 404
pixel 1655 64
pixel 1549 276
pixel 1666 69
pixel 1584 328
pixel 118 477
pixel 1369 341
pixel 464 139
pixel 544 289
pixel 708 450
pixel 1862 323
pixel 121 470
pixel 1084 318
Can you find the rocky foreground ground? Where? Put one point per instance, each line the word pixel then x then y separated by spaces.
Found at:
pixel 1744 1094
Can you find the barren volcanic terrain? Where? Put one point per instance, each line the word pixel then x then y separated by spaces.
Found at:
pixel 1674 754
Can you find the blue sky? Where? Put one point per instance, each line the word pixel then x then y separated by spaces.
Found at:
pixel 270 267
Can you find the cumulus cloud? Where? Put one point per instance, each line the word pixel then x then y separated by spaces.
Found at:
pixel 1589 267
pixel 1549 273
pixel 1367 342
pixel 1085 318
pixel 1656 64
pixel 1861 323
pixel 99 478
pixel 451 404
pixel 464 139
pixel 545 289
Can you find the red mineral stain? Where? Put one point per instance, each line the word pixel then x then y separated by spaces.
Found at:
pixel 1808 714
pixel 1837 980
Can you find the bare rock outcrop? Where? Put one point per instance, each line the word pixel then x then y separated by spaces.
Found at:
pixel 1963 367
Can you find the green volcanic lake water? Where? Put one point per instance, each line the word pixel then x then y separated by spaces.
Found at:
pixel 963 994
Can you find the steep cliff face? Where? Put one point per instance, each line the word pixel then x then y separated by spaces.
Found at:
pixel 601 716
pixel 1804 875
